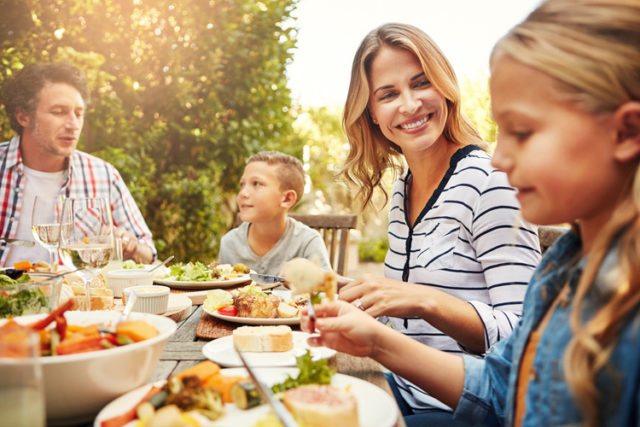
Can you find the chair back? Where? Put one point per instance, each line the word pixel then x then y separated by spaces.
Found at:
pixel 547 234
pixel 334 229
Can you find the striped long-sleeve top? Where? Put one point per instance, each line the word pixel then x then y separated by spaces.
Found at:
pixel 86 176
pixel 469 241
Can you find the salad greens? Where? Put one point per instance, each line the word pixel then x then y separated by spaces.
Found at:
pixel 17 299
pixel 193 272
pixel 131 265
pixel 311 372
pixel 217 298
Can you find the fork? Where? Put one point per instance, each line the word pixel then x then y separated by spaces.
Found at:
pixel 311 312
pixel 109 327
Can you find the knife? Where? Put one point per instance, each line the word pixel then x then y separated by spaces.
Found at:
pixel 266 279
pixel 18 242
pixel 278 408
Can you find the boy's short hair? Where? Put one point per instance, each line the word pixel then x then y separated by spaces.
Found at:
pixel 20 93
pixel 289 170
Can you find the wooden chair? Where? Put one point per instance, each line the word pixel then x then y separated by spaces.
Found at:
pixel 547 234
pixel 334 229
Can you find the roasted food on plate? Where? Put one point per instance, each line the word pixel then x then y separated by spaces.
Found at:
pixel 257 306
pixel 322 406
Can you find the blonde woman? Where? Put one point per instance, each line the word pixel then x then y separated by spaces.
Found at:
pixel 460 255
pixel 566 96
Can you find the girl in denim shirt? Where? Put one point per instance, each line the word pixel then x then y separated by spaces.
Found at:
pixel 565 89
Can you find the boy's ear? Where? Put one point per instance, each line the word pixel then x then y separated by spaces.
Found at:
pixel 289 199
pixel 627 120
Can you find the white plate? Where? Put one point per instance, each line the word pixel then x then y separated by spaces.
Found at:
pixel 209 284
pixel 221 351
pixel 376 408
pixel 254 320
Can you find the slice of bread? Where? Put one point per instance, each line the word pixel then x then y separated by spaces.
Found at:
pixel 263 338
pixel 322 406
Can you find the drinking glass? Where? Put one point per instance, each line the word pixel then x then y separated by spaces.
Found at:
pixel 86 238
pixel 21 384
pixel 45 225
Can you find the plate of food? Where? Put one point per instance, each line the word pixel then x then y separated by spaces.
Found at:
pixel 263 346
pixel 251 305
pixel 329 399
pixel 196 275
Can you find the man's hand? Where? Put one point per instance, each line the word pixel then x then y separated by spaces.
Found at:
pixel 132 248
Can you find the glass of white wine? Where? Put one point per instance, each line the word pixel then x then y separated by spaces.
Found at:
pixel 86 238
pixel 45 225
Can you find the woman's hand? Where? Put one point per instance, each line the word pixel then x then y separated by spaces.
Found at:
pixel 385 297
pixel 344 328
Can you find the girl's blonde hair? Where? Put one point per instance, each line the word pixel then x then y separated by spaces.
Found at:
pixel 371 153
pixel 592 48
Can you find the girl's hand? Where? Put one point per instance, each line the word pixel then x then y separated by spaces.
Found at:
pixel 379 296
pixel 344 328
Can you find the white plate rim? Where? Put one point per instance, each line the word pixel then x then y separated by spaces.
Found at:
pixel 221 352
pixel 377 405
pixel 254 320
pixel 168 281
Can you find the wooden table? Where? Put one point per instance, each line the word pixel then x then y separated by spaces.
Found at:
pixel 184 350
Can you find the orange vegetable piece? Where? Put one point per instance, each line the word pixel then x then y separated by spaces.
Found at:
pixel 23 265
pixel 222 384
pixel 136 330
pixel 203 370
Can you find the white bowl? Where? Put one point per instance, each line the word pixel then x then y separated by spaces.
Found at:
pixel 150 299
pixel 118 280
pixel 77 386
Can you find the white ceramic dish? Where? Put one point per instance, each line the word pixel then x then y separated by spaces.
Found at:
pixel 119 280
pixel 221 351
pixel 150 299
pixel 77 386
pixel 206 284
pixel 376 408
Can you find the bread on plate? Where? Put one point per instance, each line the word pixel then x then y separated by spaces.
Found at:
pixel 263 338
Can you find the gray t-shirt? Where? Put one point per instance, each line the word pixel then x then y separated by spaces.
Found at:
pixel 298 241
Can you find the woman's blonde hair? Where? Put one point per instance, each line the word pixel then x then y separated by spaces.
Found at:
pixel 371 153
pixel 592 48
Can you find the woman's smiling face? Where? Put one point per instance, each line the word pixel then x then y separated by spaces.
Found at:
pixel 410 112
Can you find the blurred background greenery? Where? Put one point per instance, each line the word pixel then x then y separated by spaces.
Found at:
pixel 182 93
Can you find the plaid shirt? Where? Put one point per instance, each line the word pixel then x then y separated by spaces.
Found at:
pixel 87 176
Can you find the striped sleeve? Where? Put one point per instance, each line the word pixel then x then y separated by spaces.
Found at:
pixel 508 250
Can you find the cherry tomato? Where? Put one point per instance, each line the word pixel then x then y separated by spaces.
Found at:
pixel 228 310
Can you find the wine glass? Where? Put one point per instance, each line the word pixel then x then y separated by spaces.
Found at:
pixel 86 238
pixel 45 225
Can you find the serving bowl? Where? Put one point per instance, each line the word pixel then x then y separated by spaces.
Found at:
pixel 77 386
pixel 119 280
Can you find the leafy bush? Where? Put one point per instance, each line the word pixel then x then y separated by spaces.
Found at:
pixel 373 250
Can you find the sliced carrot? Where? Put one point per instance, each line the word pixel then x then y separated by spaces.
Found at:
pixel 23 265
pixel 59 311
pixel 130 415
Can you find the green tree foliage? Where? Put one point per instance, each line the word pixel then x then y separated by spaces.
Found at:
pixel 182 93
pixel 476 104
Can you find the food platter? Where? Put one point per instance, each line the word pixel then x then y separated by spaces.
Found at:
pixel 254 320
pixel 221 351
pixel 205 284
pixel 376 408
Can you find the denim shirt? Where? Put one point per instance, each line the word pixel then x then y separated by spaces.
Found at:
pixel 490 384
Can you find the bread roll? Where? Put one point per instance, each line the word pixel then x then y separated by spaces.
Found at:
pixel 322 406
pixel 263 338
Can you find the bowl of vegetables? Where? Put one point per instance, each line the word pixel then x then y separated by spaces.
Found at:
pixel 89 358
pixel 21 294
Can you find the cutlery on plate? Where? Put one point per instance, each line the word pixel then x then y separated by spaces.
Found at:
pixel 278 408
pixel 109 327
pixel 266 279
pixel 57 276
pixel 155 267
pixel 18 242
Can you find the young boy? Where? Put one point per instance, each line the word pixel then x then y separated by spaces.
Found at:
pixel 271 185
